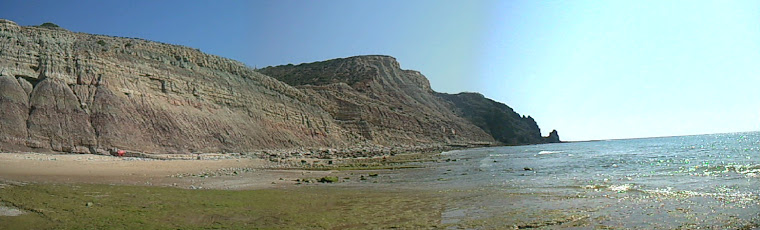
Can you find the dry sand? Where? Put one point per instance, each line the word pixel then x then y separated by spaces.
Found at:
pixel 240 173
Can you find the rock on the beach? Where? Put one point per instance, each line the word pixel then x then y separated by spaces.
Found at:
pixel 329 179
pixel 10 211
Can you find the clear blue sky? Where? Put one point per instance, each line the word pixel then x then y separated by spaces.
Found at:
pixel 590 69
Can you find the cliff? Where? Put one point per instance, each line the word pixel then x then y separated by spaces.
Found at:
pixel 497 119
pixel 376 87
pixel 75 92
pixel 373 96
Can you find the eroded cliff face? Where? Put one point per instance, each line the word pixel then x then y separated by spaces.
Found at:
pixel 76 92
pixel 373 96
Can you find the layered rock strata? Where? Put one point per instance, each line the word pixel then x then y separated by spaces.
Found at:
pixel 82 93
pixel 76 92
pixel 373 96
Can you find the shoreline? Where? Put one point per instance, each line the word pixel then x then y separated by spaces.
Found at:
pixel 447 189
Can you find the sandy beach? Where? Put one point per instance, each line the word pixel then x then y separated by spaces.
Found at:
pixel 573 185
pixel 52 191
pixel 234 173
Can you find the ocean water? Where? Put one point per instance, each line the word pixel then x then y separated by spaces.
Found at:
pixel 685 182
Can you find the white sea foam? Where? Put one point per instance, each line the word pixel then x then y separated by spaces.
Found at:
pixel 548 152
pixel 593 186
pixel 725 194
pixel 621 188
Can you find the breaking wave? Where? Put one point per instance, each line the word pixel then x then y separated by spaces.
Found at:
pixel 548 152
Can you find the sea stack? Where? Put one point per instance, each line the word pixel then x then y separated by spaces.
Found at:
pixel 553 137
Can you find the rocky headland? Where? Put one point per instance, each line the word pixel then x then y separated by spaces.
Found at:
pixel 64 91
pixel 497 119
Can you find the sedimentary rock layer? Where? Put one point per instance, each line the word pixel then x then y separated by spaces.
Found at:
pixel 373 96
pixel 83 93
pixel 77 92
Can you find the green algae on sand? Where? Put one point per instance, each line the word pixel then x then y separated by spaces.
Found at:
pixel 88 206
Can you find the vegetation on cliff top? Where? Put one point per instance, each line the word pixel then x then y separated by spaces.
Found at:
pixel 345 70
pixel 49 25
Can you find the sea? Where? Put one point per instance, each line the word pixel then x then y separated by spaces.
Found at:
pixel 683 182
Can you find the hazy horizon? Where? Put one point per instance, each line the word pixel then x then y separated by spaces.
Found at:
pixel 591 70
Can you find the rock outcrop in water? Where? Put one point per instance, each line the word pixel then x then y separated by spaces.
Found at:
pixel 83 93
pixel 552 138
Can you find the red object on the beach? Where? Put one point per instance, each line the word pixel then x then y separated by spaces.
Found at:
pixel 121 153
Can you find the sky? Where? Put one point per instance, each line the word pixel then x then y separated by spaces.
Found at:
pixel 589 69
